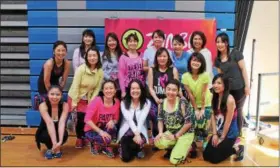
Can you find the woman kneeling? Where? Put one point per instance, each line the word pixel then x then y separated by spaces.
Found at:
pixel 101 117
pixel 224 124
pixel 177 117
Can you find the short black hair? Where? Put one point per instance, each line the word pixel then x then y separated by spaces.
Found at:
pixel 131 35
pixel 159 32
pixel 179 39
pixel 174 82
pixel 201 59
pixel 203 37
pixel 57 43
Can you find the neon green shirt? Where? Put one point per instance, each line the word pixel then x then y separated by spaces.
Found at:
pixel 196 87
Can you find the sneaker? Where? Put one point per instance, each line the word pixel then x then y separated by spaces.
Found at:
pixel 140 155
pixel 109 152
pixel 240 153
pixel 94 148
pixel 58 155
pixel 49 154
pixel 86 142
pixel 167 154
pixel 79 143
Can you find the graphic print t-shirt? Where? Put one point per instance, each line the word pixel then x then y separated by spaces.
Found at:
pixel 160 80
pixel 220 122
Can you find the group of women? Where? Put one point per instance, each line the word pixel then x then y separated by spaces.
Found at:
pixel 120 95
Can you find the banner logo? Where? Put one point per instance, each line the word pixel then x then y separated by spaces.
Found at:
pixel 138 34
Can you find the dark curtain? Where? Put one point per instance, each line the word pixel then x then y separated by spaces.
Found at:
pixel 243 11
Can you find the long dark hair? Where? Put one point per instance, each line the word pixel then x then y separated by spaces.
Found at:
pixel 215 99
pixel 118 49
pixel 127 99
pixel 82 47
pixel 158 53
pixel 60 104
pixel 225 39
pixel 98 64
pixel 201 59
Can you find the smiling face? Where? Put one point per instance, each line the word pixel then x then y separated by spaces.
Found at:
pixel 162 59
pixel 111 43
pixel 88 40
pixel 60 52
pixel 177 46
pixel 135 91
pixel 92 57
pixel 171 91
pixel 218 86
pixel 197 42
pixel 132 44
pixel 157 40
pixel 221 46
pixel 54 95
pixel 195 63
pixel 109 90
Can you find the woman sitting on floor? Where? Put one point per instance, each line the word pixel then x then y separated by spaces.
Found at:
pixel 101 118
pixel 133 133
pixel 51 131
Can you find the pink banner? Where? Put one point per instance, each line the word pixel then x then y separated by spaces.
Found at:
pixel 145 27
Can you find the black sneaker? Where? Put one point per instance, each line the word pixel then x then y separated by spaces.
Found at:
pixel 240 153
pixel 167 154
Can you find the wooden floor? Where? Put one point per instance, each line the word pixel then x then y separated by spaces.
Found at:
pixel 22 151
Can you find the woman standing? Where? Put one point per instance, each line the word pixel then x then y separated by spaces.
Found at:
pixel 158 77
pixel 232 65
pixel 180 57
pixel 149 54
pixel 130 64
pixel 53 69
pixel 224 124
pixel 51 131
pixel 133 133
pixel 111 55
pixel 196 82
pixel 176 116
pixel 198 43
pixel 88 41
pixel 101 118
pixel 85 87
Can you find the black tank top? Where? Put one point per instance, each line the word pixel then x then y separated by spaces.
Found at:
pixel 43 125
pixel 56 73
pixel 160 80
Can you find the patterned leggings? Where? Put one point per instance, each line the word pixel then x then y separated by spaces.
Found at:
pixel 94 137
pixel 201 125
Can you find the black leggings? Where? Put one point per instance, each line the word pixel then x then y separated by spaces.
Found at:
pixel 45 138
pixel 221 152
pixel 239 97
pixel 80 125
pixel 129 148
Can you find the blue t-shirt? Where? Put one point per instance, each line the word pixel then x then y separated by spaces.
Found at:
pixel 181 63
